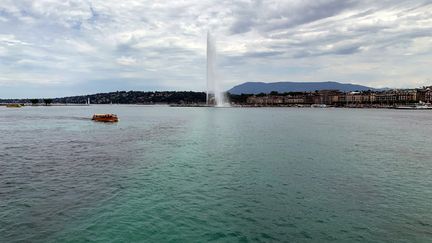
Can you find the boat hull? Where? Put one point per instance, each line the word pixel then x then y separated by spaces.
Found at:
pixel 105 118
pixel 14 106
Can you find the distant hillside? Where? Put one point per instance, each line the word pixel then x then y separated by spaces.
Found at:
pixel 138 97
pixel 260 87
pixel 123 97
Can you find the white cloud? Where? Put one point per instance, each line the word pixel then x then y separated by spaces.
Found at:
pixel 80 46
pixel 11 40
pixel 127 61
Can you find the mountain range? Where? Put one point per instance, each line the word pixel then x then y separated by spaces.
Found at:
pixel 261 87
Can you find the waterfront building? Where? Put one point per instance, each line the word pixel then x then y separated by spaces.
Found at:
pixel 428 95
pixel 354 98
pixel 296 99
pixel 325 97
pixel 337 98
pixel 424 94
pixel 407 96
pixel 368 97
pixel 387 97
pixel 270 100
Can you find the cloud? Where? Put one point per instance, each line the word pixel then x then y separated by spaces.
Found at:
pixel 155 44
pixel 275 15
pixel 127 61
pixel 10 40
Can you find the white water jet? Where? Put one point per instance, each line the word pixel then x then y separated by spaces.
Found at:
pixel 215 95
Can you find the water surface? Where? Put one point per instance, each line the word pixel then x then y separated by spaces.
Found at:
pixel 166 174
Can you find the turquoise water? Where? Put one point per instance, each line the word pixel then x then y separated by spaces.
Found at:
pixel 167 174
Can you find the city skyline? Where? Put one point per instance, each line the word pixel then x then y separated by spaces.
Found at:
pixel 55 49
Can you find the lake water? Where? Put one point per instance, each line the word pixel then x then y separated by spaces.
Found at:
pixel 165 174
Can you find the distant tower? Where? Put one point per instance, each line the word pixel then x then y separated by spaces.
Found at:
pixel 88 101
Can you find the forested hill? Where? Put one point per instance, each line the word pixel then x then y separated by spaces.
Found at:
pixel 126 97
pixel 137 97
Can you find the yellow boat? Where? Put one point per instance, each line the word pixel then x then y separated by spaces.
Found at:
pixel 14 105
pixel 105 117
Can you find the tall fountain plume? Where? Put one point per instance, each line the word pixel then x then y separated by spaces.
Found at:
pixel 215 95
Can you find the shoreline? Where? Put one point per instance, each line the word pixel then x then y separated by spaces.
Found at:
pixel 392 107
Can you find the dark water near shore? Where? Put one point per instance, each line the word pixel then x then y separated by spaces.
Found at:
pixel 200 174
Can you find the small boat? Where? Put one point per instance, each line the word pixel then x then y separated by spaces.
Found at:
pixel 417 106
pixel 318 106
pixel 105 117
pixel 14 105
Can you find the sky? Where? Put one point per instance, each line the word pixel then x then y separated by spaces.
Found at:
pixel 55 48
